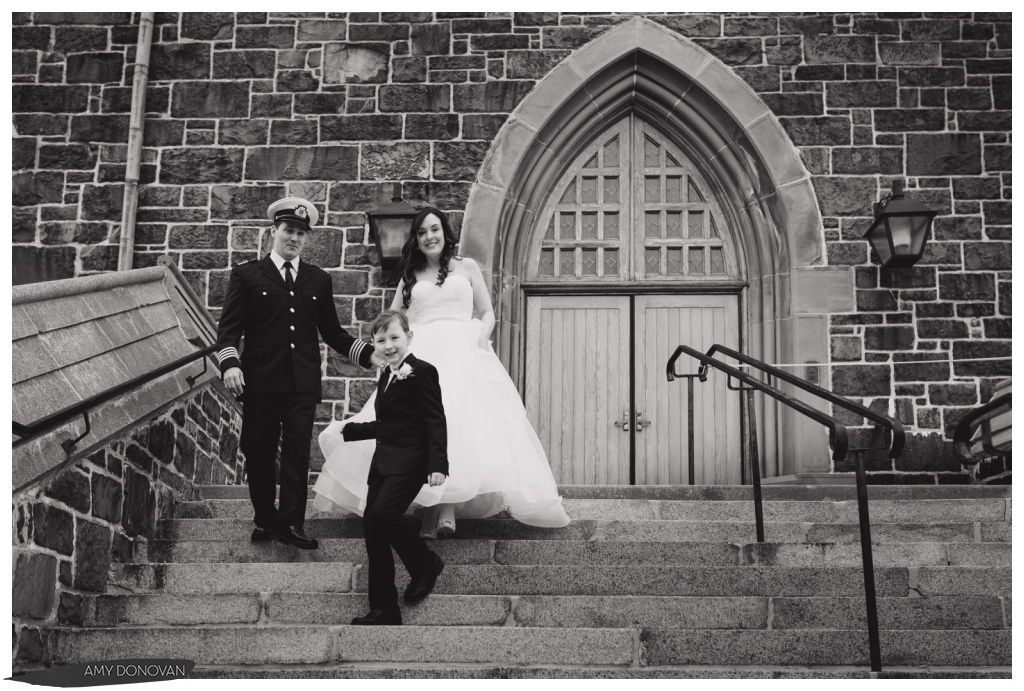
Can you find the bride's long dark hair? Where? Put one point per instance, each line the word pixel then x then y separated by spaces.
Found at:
pixel 414 260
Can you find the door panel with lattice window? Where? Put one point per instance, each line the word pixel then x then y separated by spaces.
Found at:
pixel 632 207
pixel 583 238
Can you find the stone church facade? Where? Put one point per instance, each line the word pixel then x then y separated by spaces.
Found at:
pixel 699 177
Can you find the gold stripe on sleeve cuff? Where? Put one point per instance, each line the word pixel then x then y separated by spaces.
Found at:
pixel 355 351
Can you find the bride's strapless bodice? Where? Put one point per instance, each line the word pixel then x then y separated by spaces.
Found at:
pixel 453 299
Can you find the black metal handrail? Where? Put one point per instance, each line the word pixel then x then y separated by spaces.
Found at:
pixel 838 440
pixel 980 417
pixel 62 417
pixel 838 437
pixel 893 428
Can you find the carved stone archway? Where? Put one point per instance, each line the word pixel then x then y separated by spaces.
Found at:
pixel 718 120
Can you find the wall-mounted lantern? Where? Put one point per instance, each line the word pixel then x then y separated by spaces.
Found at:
pixel 389 225
pixel 900 230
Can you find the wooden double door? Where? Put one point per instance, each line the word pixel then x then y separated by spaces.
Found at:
pixel 598 395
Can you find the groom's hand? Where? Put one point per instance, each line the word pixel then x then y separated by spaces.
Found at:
pixel 234 380
pixel 377 360
pixel 436 479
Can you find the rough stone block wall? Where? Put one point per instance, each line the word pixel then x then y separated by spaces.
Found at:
pixel 246 107
pixel 71 527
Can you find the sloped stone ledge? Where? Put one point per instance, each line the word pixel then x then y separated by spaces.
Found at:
pixel 75 338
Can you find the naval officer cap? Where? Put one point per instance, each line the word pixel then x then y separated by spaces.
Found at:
pixel 294 209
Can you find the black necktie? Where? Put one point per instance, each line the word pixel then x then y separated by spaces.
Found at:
pixel 288 282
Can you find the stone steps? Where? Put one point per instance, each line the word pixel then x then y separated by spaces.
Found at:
pixel 551 611
pixel 497 579
pixel 881 511
pixel 645 583
pixel 712 493
pixel 527 552
pixel 494 645
pixel 625 530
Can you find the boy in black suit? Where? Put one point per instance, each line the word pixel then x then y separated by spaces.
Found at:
pixel 412 448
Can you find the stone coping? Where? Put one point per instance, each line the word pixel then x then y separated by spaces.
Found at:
pixel 68 287
pixel 65 287
pixel 195 305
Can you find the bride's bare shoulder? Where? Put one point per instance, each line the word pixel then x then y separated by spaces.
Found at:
pixel 465 265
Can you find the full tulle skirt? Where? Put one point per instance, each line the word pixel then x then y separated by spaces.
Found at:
pixel 495 458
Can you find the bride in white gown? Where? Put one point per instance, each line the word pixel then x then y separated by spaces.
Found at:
pixel 495 458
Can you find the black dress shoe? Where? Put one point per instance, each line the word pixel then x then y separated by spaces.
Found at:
pixel 421 586
pixel 380 617
pixel 297 537
pixel 277 534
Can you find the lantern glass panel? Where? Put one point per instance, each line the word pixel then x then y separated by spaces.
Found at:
pixel 880 241
pixel 907 233
pixel 392 233
pixel 919 233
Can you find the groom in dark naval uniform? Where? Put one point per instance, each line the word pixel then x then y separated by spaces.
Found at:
pixel 279 304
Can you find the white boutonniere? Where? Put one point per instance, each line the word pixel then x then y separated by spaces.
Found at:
pixel 404 372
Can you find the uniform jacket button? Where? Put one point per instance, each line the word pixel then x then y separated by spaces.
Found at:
pixel 264 292
pixel 292 293
pixel 292 328
pixel 291 309
pixel 292 345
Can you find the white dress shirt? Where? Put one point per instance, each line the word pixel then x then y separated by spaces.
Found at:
pixel 279 263
pixel 393 372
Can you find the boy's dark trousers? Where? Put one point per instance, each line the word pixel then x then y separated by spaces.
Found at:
pixel 384 526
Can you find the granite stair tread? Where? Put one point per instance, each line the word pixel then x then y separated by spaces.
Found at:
pixel 528 646
pixel 621 530
pixel 613 647
pixel 526 552
pixel 499 579
pixel 711 493
pixel 812 511
pixel 313 644
pixel 482 671
pixel 548 611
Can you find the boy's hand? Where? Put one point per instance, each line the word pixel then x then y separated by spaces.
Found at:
pixel 436 479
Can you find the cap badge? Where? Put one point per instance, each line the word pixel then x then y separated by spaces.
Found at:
pixel 301 212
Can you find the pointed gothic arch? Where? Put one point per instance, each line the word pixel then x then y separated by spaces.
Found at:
pixel 755 171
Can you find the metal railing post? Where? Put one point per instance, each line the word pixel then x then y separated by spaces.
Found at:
pixel 755 467
pixel 869 566
pixel 689 429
